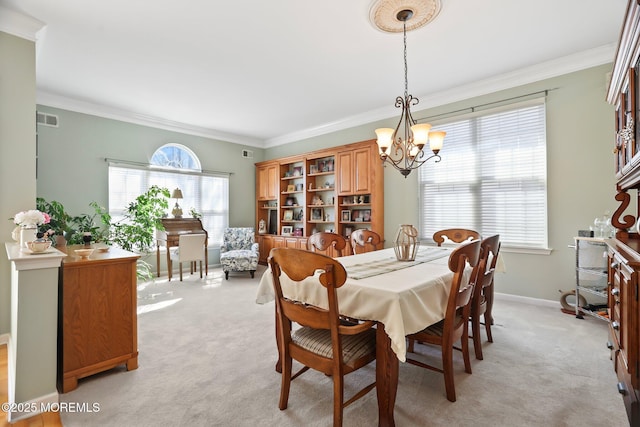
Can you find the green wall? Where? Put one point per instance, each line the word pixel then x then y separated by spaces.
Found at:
pixel 72 167
pixel 580 175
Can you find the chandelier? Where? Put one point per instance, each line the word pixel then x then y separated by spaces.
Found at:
pixel 403 147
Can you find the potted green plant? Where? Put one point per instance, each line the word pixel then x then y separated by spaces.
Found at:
pixel 60 221
pixel 136 231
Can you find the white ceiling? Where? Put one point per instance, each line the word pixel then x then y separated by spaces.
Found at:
pixel 264 73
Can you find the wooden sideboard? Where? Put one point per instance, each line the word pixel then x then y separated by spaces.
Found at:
pixel 97 314
pixel 624 249
pixel 339 189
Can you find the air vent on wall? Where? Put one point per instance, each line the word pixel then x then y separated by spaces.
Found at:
pixel 47 119
pixel 247 154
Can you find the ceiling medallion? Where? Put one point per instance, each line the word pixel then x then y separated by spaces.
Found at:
pixel 383 14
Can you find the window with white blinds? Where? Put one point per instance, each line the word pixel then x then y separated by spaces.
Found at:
pixel 207 193
pixel 492 177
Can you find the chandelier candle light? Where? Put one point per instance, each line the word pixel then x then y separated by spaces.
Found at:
pixel 403 149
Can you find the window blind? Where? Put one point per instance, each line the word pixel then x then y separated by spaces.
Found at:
pixel 492 177
pixel 207 194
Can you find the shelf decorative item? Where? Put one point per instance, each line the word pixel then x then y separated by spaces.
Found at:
pixel 28 221
pixel 406 243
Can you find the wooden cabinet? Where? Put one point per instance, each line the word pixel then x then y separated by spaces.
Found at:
pixel 267 181
pixel 267 185
pixel 97 317
pixel 624 314
pixel 265 243
pixel 624 249
pixel 355 170
pixel 337 190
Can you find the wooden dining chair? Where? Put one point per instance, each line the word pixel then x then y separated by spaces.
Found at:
pixel 455 235
pixel 455 325
pixel 363 240
pixel 482 300
pixel 326 243
pixel 321 342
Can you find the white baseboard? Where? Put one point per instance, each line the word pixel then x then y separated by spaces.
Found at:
pixel 527 300
pixel 21 410
pixel 46 403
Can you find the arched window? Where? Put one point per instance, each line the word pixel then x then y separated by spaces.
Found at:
pixel 174 166
pixel 176 156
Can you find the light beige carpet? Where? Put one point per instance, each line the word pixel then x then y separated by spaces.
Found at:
pixel 207 356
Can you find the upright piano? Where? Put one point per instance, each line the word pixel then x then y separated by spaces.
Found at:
pixel 170 237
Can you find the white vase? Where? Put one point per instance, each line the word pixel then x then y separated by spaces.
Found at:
pixel 15 234
pixel 27 234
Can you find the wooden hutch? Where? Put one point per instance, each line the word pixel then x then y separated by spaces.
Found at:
pixel 338 189
pixel 624 249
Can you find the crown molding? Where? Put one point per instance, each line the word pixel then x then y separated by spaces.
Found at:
pixel 57 101
pixel 19 24
pixel 557 67
pixel 565 65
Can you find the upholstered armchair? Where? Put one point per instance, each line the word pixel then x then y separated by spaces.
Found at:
pixel 239 251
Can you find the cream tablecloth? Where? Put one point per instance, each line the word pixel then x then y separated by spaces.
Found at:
pixel 405 300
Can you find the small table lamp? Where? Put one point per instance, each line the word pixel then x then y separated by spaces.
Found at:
pixel 177 210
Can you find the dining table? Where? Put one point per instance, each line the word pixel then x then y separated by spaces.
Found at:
pixel 402 297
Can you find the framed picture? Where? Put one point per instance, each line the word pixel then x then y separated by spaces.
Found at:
pixel 288 215
pixel 299 187
pixel 290 201
pixel 287 230
pixel 346 215
pixel 291 188
pixel 297 171
pixel 317 214
pixel 329 165
pixel 348 231
pixel 361 215
pixel 313 168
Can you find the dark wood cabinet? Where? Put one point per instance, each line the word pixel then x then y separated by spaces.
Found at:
pixel 97 314
pixel 624 315
pixel 624 249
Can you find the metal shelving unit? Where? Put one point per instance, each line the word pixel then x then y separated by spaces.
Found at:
pixel 591 274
